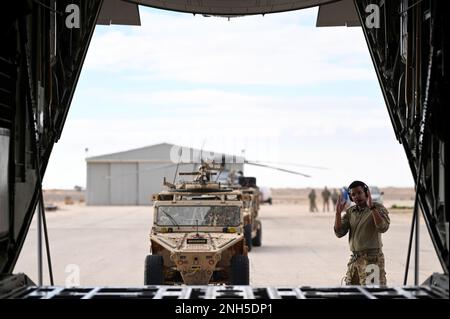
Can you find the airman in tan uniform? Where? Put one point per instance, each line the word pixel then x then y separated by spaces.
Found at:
pixel 365 222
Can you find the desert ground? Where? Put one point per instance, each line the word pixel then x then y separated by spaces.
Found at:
pixel 107 245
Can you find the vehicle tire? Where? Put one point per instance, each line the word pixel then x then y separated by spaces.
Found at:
pixel 248 236
pixel 154 272
pixel 240 270
pixel 257 241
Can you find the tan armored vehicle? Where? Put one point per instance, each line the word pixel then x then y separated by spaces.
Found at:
pixel 252 225
pixel 197 236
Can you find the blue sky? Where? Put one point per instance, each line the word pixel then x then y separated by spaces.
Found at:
pixel 276 86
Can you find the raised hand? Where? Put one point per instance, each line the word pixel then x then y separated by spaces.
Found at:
pixel 369 199
pixel 340 205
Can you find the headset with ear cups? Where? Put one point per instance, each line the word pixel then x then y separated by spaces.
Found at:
pixel 356 184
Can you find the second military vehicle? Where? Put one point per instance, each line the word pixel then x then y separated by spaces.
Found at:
pixel 252 225
pixel 247 186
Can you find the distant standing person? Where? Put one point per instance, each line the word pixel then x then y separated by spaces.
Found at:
pixel 364 222
pixel 326 198
pixel 334 197
pixel 312 201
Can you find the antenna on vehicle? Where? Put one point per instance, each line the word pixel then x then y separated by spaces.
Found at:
pixel 180 151
pixel 201 151
pixel 222 167
pixel 198 235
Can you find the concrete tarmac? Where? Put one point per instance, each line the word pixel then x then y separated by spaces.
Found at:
pixel 96 245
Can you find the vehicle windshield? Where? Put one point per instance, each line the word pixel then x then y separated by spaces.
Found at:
pixel 221 216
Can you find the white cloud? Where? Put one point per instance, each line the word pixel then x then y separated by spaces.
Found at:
pixel 317 115
pixel 252 50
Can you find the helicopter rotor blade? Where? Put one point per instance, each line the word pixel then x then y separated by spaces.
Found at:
pixel 292 164
pixel 277 168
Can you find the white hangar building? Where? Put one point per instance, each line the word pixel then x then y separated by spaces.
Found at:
pixel 131 177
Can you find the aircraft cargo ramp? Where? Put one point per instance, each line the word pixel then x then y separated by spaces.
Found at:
pixel 40 63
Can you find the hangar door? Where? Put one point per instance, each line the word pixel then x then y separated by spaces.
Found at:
pixel 124 184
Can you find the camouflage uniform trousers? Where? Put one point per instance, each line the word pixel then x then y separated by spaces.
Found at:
pixel 366 269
